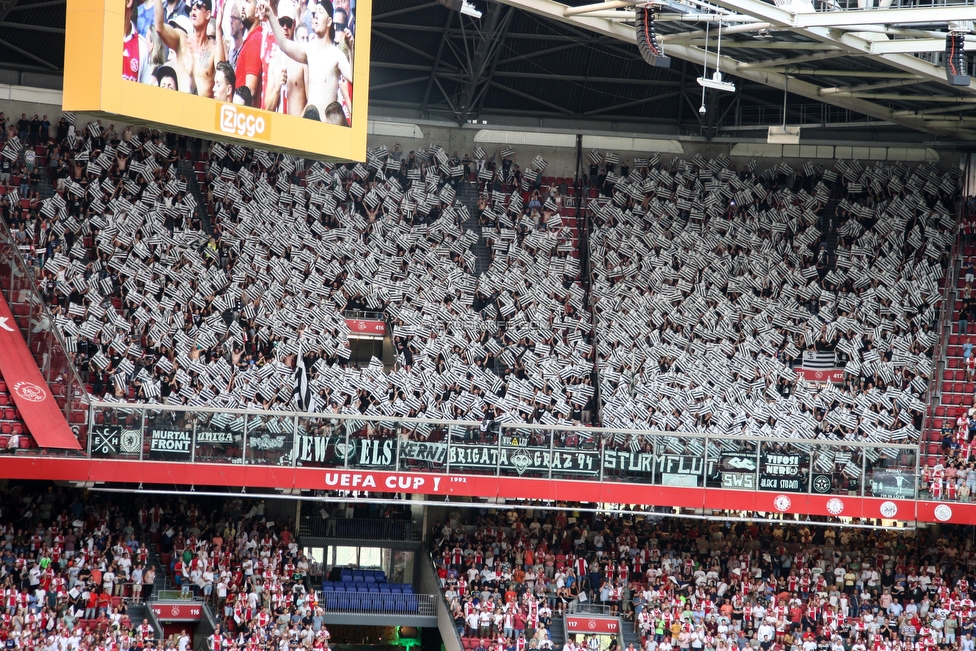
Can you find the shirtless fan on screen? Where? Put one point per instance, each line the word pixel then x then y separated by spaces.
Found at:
pixel 326 61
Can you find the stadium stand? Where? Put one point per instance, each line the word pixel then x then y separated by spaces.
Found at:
pixel 195 277
pixel 950 473
pixel 160 308
pixel 511 573
pixel 712 285
pixel 75 569
pixel 163 310
pixel 69 562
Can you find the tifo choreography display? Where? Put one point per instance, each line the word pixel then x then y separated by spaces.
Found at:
pixel 720 293
pixel 709 285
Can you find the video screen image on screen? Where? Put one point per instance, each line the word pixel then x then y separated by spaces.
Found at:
pixel 279 74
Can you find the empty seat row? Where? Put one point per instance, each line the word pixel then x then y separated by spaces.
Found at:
pixel 367 587
pixel 364 575
pixel 372 603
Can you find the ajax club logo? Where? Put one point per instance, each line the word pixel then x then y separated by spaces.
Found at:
pixel 889 509
pixel 30 391
pixel 943 513
pixel 835 506
pixel 782 502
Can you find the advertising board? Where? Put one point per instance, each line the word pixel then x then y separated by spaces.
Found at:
pixel 279 75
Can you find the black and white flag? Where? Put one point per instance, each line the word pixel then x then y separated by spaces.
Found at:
pixel 302 394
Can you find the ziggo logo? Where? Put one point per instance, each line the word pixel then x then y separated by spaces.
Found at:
pixel 240 121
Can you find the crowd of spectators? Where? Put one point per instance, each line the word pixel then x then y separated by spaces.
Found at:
pixel 711 285
pixel 708 286
pixel 706 586
pixel 71 565
pixel 156 307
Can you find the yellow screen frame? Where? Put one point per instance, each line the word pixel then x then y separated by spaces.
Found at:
pixel 93 84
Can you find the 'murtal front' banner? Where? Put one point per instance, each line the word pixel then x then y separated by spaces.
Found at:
pixel 171 441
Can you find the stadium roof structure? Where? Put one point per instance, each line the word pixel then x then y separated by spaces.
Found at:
pixel 867 73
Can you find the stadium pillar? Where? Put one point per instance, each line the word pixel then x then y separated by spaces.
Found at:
pixel 418 513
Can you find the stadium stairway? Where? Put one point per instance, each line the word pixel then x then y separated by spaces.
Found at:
pixel 468 195
pixel 137 613
pixel 952 393
pixel 557 632
pixel 188 169
pixel 11 423
pixel 628 635
pixel 154 559
pixel 829 235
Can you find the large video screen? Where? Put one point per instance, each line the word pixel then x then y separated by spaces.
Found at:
pixel 283 75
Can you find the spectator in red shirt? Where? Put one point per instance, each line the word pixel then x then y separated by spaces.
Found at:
pixel 249 64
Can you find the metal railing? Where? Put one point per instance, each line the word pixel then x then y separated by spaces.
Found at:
pixel 933 395
pixel 43 338
pixel 175 595
pixel 363 314
pixel 378 603
pixel 140 432
pixel 577 607
pixel 360 529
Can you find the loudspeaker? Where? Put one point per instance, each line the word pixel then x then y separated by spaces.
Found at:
pixel 647 40
pixel 955 59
